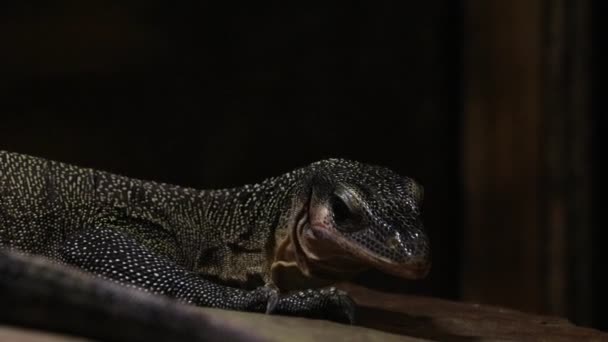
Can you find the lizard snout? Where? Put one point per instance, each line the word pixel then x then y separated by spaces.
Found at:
pixel 407 254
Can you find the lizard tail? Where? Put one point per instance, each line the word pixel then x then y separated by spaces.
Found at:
pixel 37 293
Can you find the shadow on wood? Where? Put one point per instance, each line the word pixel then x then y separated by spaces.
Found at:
pixel 444 320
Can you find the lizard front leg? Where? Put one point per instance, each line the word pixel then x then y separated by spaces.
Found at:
pixel 116 256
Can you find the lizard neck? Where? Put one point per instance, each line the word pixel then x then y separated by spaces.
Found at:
pixel 245 225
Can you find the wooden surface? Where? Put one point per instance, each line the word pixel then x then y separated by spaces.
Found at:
pixel 503 240
pixel 387 317
pixel 14 334
pixel 526 156
pixel 443 320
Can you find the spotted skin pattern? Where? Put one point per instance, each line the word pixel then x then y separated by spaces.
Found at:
pixel 211 248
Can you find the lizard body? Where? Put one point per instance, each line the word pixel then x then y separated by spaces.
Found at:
pixel 244 248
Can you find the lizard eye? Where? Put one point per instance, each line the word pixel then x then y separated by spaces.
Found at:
pixel 345 211
pixel 341 211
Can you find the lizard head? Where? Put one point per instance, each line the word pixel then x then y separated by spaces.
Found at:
pixel 351 217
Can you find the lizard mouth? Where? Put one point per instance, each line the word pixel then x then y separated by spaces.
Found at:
pixel 360 256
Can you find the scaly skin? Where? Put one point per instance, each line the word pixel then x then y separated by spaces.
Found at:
pixel 253 248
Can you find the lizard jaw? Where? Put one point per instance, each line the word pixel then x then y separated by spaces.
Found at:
pixel 410 270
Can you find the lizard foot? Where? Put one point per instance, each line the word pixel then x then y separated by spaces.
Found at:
pixel 327 303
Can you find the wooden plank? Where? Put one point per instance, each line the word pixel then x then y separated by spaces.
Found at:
pixel 566 170
pixel 501 153
pixel 444 320
pixel 526 157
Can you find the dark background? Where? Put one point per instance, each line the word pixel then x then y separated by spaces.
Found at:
pixel 599 138
pixel 213 95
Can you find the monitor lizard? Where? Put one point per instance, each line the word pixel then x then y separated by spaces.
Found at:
pixel 274 247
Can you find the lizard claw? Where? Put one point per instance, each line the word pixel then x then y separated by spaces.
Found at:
pixel 273 300
pixel 272 293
